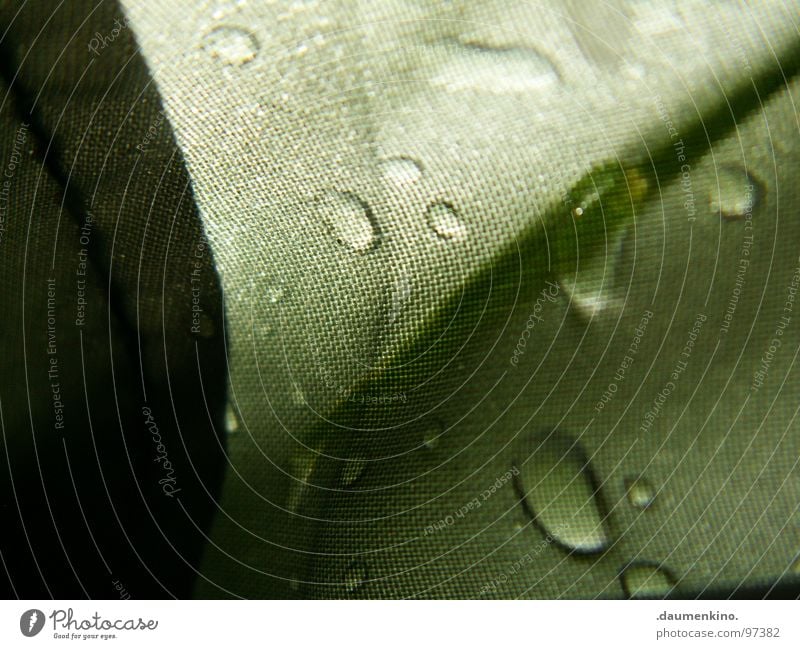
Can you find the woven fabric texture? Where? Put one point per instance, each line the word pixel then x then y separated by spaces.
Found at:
pixel 508 292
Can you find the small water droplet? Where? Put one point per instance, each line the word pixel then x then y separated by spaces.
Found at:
pixel 634 70
pixel 231 45
pixel 442 217
pixel 737 194
pixel 350 220
pixel 352 471
pixel 401 292
pixel 301 468
pixel 431 434
pixel 355 576
pixel 589 300
pixel 231 420
pixel 647 580
pixel 640 491
pixel 559 491
pixel 275 294
pixel 594 289
pixel 401 171
pixel 496 70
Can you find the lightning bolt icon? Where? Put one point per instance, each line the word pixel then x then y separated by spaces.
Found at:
pixel 32 620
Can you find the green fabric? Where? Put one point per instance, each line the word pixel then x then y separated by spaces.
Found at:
pixel 388 187
pixel 501 283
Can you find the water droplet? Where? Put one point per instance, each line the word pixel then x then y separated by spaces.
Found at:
pixel 640 491
pixel 431 434
pixel 352 471
pixel 401 171
pixel 559 491
pixel 350 220
pixel 444 220
pixel 647 580
pixel 301 468
pixel 355 576
pixel 589 299
pixel 495 70
pixel 588 253
pixel 231 420
pixel 275 294
pixel 737 194
pixel 401 291
pixel 231 45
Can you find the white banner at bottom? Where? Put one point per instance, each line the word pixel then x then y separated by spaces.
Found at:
pixel 388 624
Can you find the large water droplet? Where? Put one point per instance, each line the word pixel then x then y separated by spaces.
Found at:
pixel 355 576
pixel 495 70
pixel 401 171
pixel 350 220
pixel 442 217
pixel 646 580
pixel 737 194
pixel 640 492
pixel 231 45
pixel 560 492
pixel 587 247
